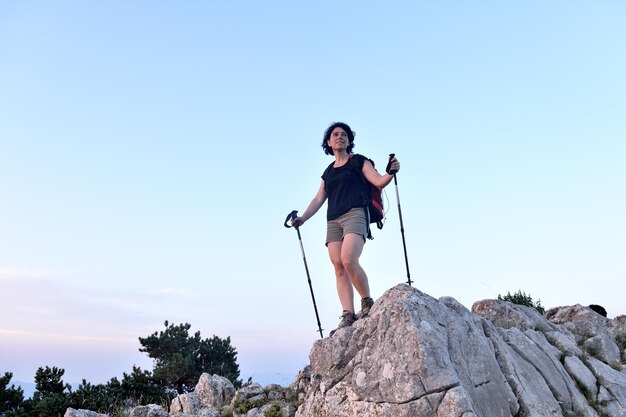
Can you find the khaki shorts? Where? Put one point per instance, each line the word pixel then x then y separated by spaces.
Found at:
pixel 354 221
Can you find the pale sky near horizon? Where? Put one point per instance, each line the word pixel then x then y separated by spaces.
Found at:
pixel 150 151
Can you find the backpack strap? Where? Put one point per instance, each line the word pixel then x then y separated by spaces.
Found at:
pixel 354 164
pixel 367 222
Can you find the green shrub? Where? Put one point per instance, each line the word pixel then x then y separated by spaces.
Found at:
pixel 274 411
pixel 180 358
pixel 245 405
pixel 574 414
pixel 522 299
pixel 11 397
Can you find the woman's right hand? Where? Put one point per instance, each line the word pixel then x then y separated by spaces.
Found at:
pixel 297 222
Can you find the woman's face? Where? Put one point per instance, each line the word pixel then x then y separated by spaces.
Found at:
pixel 338 139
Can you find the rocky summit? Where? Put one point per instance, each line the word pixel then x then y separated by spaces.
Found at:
pixel 416 356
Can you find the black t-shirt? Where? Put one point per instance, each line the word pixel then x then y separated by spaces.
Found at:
pixel 344 187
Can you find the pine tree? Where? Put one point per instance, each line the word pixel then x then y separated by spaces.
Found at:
pixel 180 359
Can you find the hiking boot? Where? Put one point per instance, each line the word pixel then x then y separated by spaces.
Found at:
pixel 366 305
pixel 347 319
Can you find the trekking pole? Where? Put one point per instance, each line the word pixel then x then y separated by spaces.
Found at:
pixel 290 216
pixel 395 180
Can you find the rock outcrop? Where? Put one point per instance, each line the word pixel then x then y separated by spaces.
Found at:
pixel 257 401
pixel 211 394
pixel 417 356
pixel 215 396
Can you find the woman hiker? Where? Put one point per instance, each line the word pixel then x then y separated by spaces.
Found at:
pixel 347 216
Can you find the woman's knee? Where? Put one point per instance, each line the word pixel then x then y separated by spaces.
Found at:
pixel 350 263
pixel 335 259
pixel 338 265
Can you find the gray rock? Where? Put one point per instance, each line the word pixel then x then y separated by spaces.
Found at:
pixel 564 341
pixel 581 374
pixel 576 312
pixel 255 412
pixel 261 398
pixel 613 387
pixel 410 356
pixel 149 411
pixel 603 338
pixel 251 390
pixel 275 395
pixel 455 403
pixel 602 347
pixel 189 403
pixel 248 392
pixel 206 412
pixel 70 412
pixel 286 410
pixel 272 394
pixel 303 380
pixel 508 315
pixel 532 391
pixel 587 323
pixel 534 348
pixel 417 356
pixel 214 391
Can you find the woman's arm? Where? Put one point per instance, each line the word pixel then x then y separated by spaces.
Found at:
pixel 375 178
pixel 313 207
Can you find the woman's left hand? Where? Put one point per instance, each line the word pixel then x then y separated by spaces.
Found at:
pixel 395 166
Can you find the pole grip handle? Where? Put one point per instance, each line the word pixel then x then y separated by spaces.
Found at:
pixel 290 216
pixel 388 169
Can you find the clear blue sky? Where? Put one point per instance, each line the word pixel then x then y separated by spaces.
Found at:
pixel 150 151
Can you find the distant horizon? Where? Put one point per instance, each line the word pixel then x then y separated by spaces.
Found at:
pixel 269 378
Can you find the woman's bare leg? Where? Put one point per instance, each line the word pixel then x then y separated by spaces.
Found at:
pixel 344 283
pixel 351 249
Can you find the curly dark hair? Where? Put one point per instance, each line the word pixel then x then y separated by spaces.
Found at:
pixel 351 134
